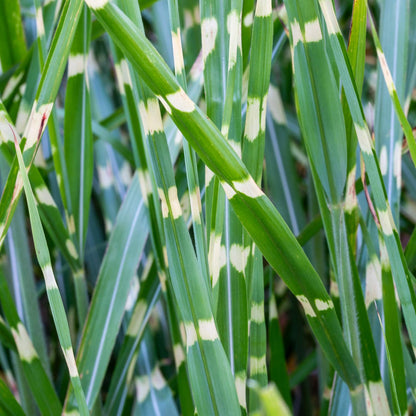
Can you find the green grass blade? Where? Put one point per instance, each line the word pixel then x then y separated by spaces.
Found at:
pixel 77 129
pixel 12 37
pixel 390 235
pixel 110 295
pixel 281 178
pixel 41 110
pixel 190 157
pixel 52 290
pixel 356 55
pixel 252 155
pixel 253 208
pixel 8 404
pixel 35 375
pixel 6 337
pixel 153 395
pixel 278 370
pixel 387 131
pixel 148 295
pixel 270 400
pixel 391 87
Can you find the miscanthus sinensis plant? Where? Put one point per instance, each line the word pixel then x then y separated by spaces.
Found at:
pixel 207 207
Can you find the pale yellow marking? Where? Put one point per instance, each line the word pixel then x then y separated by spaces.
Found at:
pixel 229 191
pixel 214 241
pixel 76 65
pixel 50 281
pixel 258 365
pixel 145 185
pixel 11 85
pixel 174 202
pixel 71 224
pixel 252 128
pixel 234 30
pixel 71 249
pixel 181 102
pixel 196 207
pixel 207 329
pixel 373 289
pixel 157 379
pixel 239 256
pixel 142 388
pixel 386 71
pixel 132 296
pixel 219 260
pixel 240 386
pixel 177 51
pixel 105 176
pixel 70 362
pixel 306 305
pixel 248 187
pixel 276 106
pixel 40 27
pixel 178 354
pixel 162 278
pixel 165 255
pixel 379 398
pixel 364 139
pixel 334 289
pixel 178 138
pixel 151 117
pixel 185 204
pixel 323 305
pixel 209 175
pixel 125 73
pixel 137 318
pixel 35 121
pixel 384 255
pixel 397 167
pixel 383 160
pixel 96 4
pixel 248 19
pixel 313 31
pixel 257 312
pixel 330 18
pixel 296 33
pixel 191 336
pixel 24 344
pixel 386 221
pixel 7 131
pixel 273 313
pixel 263 8
pixel 351 196
pixel 125 174
pixel 209 30
pixel 119 78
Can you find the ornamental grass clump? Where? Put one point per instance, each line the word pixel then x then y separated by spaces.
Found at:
pixel 218 211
